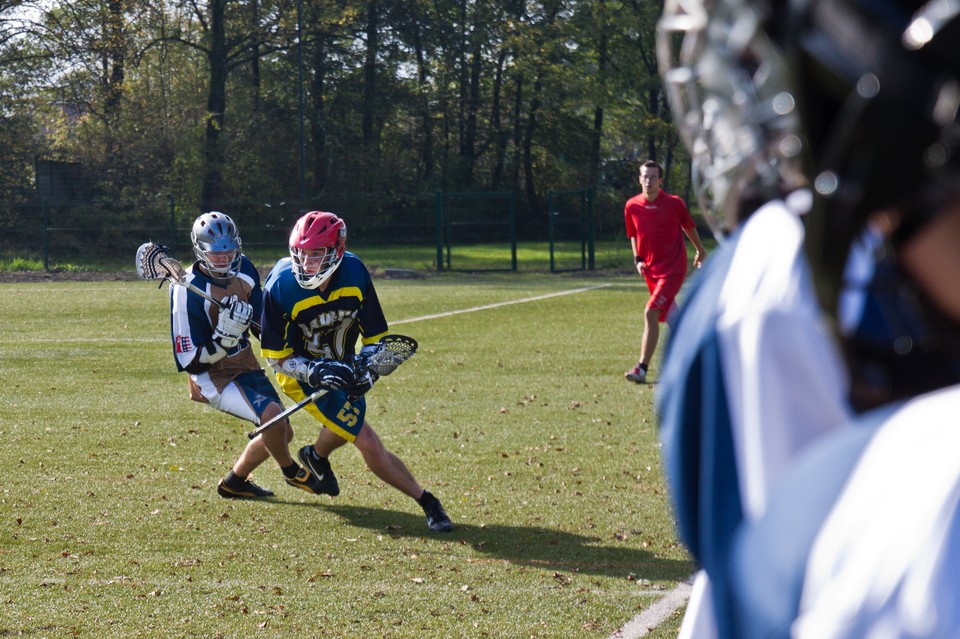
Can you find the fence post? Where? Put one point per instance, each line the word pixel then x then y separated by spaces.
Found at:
pixel 591 247
pixel 551 214
pixel 513 230
pixel 438 226
pixel 46 230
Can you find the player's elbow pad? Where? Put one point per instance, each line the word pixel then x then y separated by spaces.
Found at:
pixel 295 367
pixel 207 355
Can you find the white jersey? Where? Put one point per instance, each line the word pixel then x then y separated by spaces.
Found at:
pixel 750 377
pixel 884 563
pixel 192 323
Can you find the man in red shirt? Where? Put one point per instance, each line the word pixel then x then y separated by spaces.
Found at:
pixel 656 223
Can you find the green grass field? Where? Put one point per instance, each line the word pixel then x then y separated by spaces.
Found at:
pixel 516 416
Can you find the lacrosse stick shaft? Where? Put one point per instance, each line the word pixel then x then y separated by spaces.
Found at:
pixel 210 298
pixel 396 350
pixel 290 411
pixel 153 263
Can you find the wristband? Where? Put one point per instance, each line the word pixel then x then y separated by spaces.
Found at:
pixel 637 259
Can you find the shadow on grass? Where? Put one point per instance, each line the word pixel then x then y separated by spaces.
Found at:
pixel 530 546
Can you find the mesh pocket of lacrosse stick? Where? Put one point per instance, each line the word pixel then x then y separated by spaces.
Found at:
pixel 153 263
pixel 394 350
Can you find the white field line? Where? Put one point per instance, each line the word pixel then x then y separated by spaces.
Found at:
pixel 409 320
pixel 498 304
pixel 655 614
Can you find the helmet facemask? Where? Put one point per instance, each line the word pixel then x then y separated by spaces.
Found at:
pixel 729 89
pixel 216 245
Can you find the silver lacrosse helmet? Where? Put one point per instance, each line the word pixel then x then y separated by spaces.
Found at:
pixel 216 243
pixel 729 90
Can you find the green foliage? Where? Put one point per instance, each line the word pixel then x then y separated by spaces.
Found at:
pixel 516 416
pixel 449 95
pixel 20 264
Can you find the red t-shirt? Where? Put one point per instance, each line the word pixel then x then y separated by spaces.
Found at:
pixel 658 228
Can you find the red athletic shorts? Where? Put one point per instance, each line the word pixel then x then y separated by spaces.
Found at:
pixel 663 293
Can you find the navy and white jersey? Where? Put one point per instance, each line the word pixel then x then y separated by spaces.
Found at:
pixel 313 323
pixel 750 377
pixel 193 320
pixel 862 537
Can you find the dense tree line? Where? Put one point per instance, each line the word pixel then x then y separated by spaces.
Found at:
pixel 221 100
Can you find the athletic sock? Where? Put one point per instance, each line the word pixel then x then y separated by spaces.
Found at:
pixel 642 367
pixel 424 497
pixel 291 471
pixel 234 480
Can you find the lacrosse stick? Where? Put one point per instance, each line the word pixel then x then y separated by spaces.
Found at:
pixel 394 350
pixel 153 263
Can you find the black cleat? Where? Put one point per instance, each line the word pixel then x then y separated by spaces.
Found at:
pixel 246 490
pixel 305 480
pixel 437 519
pixel 319 467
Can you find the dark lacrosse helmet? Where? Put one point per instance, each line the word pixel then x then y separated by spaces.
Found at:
pixel 216 244
pixel 878 90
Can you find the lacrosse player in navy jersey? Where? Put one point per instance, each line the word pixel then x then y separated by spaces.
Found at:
pixel 317 304
pixel 212 344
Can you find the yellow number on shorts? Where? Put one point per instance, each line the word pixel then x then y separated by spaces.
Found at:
pixel 348 415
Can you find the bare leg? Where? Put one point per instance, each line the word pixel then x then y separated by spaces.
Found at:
pixel 327 442
pixel 273 442
pixel 651 334
pixel 384 464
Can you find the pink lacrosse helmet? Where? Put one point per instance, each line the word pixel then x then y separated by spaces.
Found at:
pixel 317 244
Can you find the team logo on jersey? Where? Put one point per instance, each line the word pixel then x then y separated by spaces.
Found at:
pixel 324 334
pixel 181 344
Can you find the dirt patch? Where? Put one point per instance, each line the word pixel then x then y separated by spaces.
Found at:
pixel 20 277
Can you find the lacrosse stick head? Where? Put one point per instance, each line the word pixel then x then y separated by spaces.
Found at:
pixel 394 350
pixel 153 263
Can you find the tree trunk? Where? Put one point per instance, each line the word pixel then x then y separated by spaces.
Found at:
pixel 318 123
pixel 529 185
pixel 426 148
pixel 598 109
pixel 499 134
pixel 255 56
pixel 370 74
pixel 517 131
pixel 114 71
pixel 213 155
pixel 468 143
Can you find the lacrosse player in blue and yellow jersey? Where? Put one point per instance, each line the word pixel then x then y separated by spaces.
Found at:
pixel 317 304
pixel 212 344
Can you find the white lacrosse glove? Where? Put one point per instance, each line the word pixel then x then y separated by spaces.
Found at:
pixel 235 317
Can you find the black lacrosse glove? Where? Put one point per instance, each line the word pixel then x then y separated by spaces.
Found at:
pixel 365 377
pixel 364 383
pixel 330 374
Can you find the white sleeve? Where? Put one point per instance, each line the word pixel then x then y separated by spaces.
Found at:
pixel 787 382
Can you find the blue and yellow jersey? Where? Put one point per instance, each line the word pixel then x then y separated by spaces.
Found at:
pixel 315 323
pixel 193 319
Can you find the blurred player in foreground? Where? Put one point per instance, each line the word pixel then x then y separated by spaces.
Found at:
pixel 751 374
pixel 656 223
pixel 317 303
pixel 213 346
pixel 861 533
